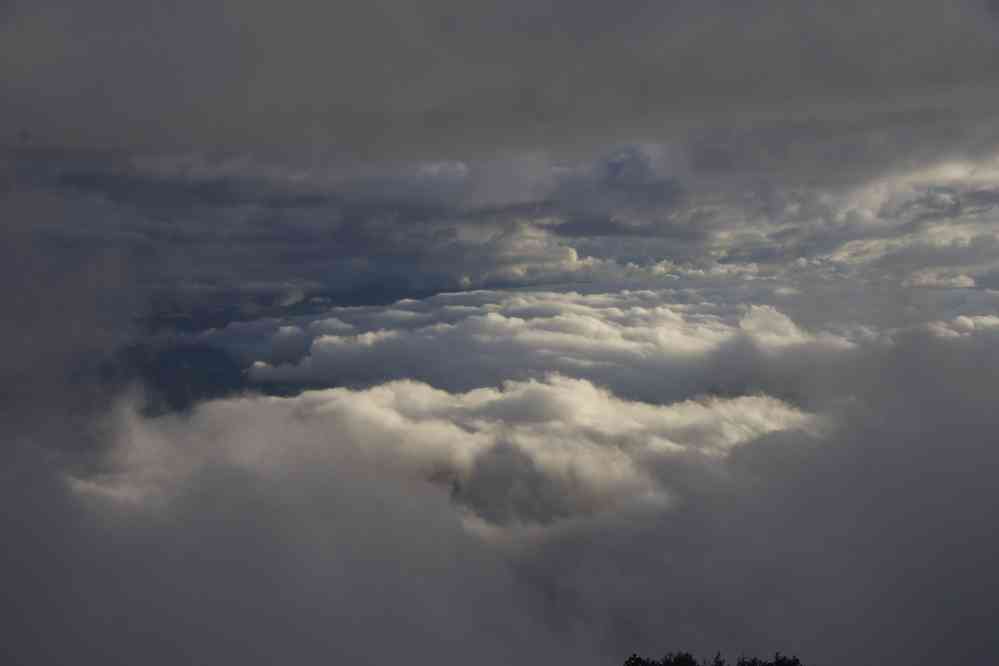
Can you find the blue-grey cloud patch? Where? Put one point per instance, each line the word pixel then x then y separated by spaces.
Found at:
pixel 623 195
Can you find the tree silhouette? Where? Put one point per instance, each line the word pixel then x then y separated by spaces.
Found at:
pixel 687 659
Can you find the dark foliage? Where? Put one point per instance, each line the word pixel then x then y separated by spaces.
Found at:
pixel 687 659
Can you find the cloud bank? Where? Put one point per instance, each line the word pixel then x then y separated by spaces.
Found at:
pixel 604 523
pixel 498 333
pixel 750 81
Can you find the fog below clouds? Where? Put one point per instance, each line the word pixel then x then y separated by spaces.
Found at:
pixel 514 335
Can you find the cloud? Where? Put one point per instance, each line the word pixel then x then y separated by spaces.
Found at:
pixel 244 235
pixel 773 87
pixel 740 522
pixel 529 452
pixel 515 333
pixel 730 466
pixel 250 569
pixel 625 340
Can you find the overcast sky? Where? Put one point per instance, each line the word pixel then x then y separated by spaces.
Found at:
pixel 498 332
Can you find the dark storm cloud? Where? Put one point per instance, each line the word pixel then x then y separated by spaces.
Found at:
pixel 828 86
pixel 221 226
pixel 64 306
pixel 227 223
pixel 246 234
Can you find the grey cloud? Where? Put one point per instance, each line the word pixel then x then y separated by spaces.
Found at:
pixel 65 307
pixel 505 486
pixel 229 229
pixel 844 535
pixel 387 81
pixel 241 570
pixel 624 196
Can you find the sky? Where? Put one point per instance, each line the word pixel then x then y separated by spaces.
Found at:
pixel 498 332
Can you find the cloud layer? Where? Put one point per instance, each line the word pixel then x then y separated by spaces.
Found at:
pixel 743 522
pixel 506 333
pixel 385 80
